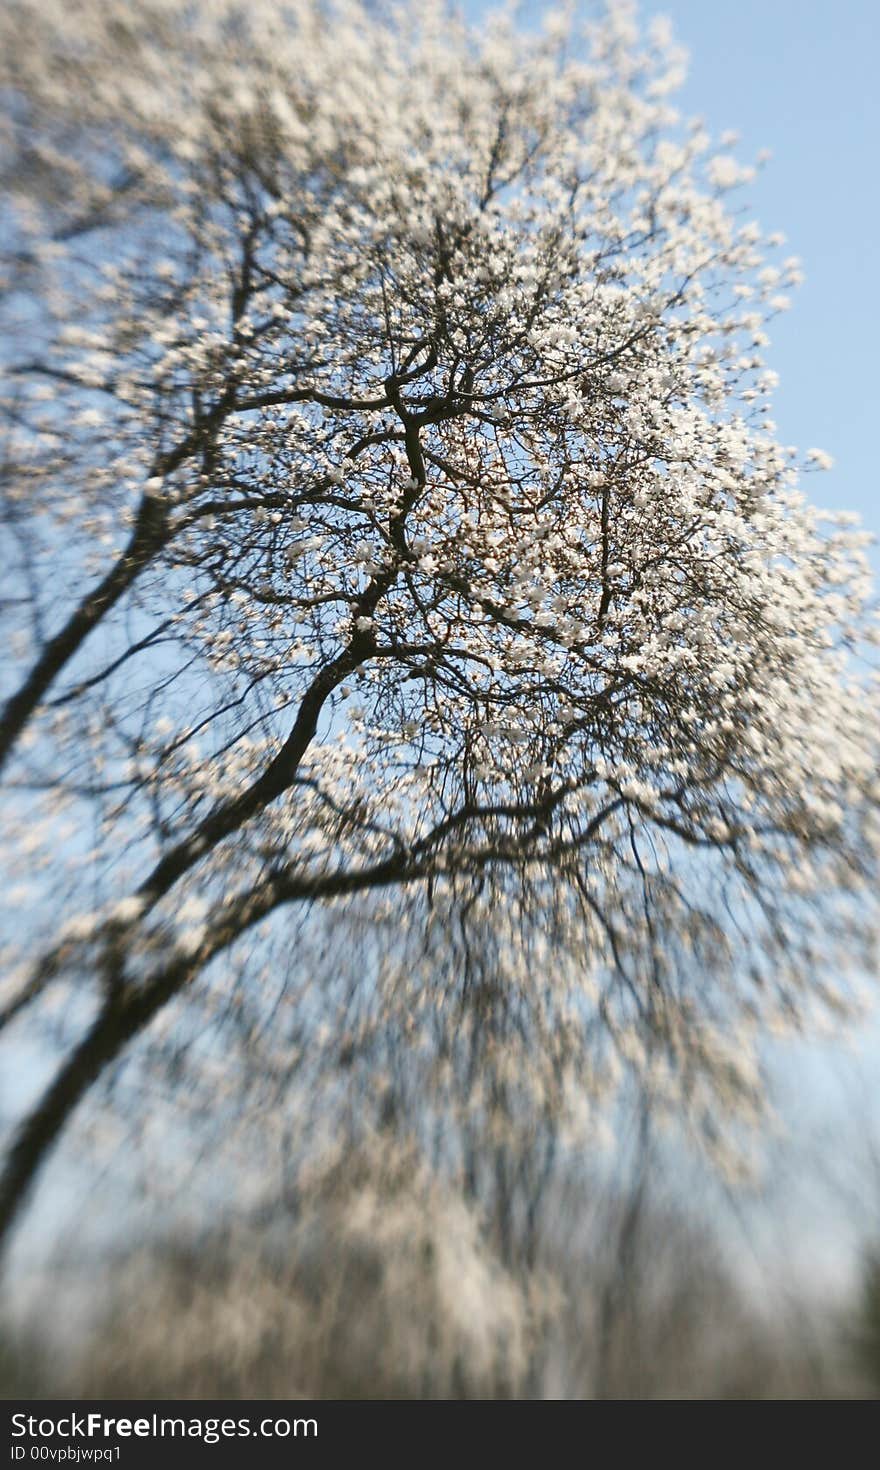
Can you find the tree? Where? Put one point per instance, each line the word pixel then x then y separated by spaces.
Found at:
pixel 393 509
pixel 867 1335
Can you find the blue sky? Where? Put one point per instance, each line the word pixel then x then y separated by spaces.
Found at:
pixel 798 77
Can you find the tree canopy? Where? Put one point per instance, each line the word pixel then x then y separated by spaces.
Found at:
pixel 393 509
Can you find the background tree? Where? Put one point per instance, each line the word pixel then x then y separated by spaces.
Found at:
pixel 867 1332
pixel 393 509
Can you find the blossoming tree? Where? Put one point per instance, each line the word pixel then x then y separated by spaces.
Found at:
pixel 394 513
